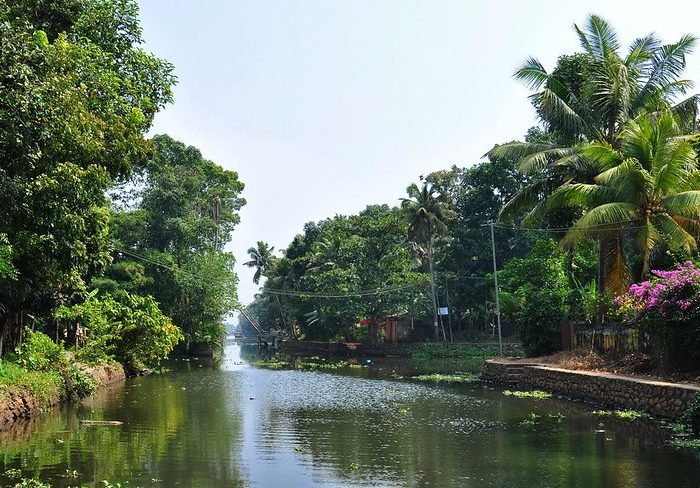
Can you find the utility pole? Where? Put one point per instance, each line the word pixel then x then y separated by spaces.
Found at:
pixel 432 289
pixel 449 310
pixel 495 282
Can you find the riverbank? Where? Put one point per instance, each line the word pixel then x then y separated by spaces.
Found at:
pixel 659 398
pixel 401 350
pixel 27 393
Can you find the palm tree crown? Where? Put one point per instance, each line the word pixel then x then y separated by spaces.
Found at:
pixel 427 213
pixel 261 258
pixel 649 186
pixel 605 91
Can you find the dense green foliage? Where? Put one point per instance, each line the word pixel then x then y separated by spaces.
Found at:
pixel 535 297
pixel 112 280
pixel 129 327
pixel 78 93
pixel 343 276
pixel 169 239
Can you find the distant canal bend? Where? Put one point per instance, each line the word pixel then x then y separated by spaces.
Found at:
pixel 234 425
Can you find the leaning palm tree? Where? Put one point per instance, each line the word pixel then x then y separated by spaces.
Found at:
pixel 649 187
pixel 261 258
pixel 607 90
pixel 427 214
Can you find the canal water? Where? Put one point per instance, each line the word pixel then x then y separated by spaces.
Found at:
pixel 234 425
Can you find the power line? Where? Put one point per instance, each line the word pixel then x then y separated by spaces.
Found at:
pixel 163 265
pixel 301 294
pixel 600 227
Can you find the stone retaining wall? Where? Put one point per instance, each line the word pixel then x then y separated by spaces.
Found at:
pixel 658 398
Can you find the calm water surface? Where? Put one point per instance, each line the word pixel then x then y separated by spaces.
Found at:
pixel 233 425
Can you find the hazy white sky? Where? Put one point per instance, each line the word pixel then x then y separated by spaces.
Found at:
pixel 325 106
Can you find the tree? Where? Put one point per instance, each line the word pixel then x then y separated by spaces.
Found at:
pixel 649 186
pixel 343 271
pixel 591 104
pixel 261 258
pixel 77 95
pixel 535 296
pixel 169 240
pixel 426 212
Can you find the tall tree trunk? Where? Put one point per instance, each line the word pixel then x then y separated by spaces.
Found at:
pixel 602 272
pixel 432 290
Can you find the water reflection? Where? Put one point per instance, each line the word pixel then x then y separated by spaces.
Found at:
pixel 234 425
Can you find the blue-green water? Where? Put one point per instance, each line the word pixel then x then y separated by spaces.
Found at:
pixel 233 425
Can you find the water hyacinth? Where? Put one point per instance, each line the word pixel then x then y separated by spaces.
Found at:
pixel 671 295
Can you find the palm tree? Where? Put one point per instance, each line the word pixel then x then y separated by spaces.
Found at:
pixel 427 213
pixel 261 259
pixel 649 187
pixel 593 105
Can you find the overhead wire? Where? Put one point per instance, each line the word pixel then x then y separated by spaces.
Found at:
pixel 378 291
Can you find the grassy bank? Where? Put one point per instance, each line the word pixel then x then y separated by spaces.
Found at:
pixel 40 373
pixel 24 392
pixel 463 350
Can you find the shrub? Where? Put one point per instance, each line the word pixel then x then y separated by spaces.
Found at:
pixel 535 297
pixel 128 327
pixel 668 307
pixel 39 353
pixel 691 417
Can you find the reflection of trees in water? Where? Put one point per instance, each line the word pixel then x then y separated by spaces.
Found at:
pixel 178 428
pixel 428 443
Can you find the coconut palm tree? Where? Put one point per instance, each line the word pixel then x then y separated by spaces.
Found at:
pixel 649 187
pixel 427 213
pixel 592 103
pixel 261 258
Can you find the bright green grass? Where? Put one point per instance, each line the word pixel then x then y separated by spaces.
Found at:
pixel 459 377
pixel 538 394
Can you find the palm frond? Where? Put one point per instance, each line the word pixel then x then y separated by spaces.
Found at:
pixel 684 204
pixel 648 240
pixel 687 113
pixel 599 38
pixel 667 64
pixel 556 111
pixel 641 50
pixel 601 219
pixel 535 162
pixel 519 150
pixel 604 155
pixel 628 180
pixel 532 74
pixel 675 236
pixel 527 197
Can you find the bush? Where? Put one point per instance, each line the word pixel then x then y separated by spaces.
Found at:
pixel 535 295
pixel 39 353
pixel 41 365
pixel 691 417
pixel 668 307
pixel 128 327
pixel 78 383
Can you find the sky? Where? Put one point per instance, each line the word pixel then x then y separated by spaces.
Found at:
pixel 323 107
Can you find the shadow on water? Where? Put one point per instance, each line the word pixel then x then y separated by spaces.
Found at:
pixel 234 425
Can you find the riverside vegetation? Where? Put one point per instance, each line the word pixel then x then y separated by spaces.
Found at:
pixel 111 244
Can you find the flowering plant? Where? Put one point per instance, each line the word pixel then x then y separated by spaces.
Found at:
pixel 670 295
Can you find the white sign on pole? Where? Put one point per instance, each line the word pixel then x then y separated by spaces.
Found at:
pixel 443 311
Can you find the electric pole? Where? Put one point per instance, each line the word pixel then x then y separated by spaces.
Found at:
pixel 495 282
